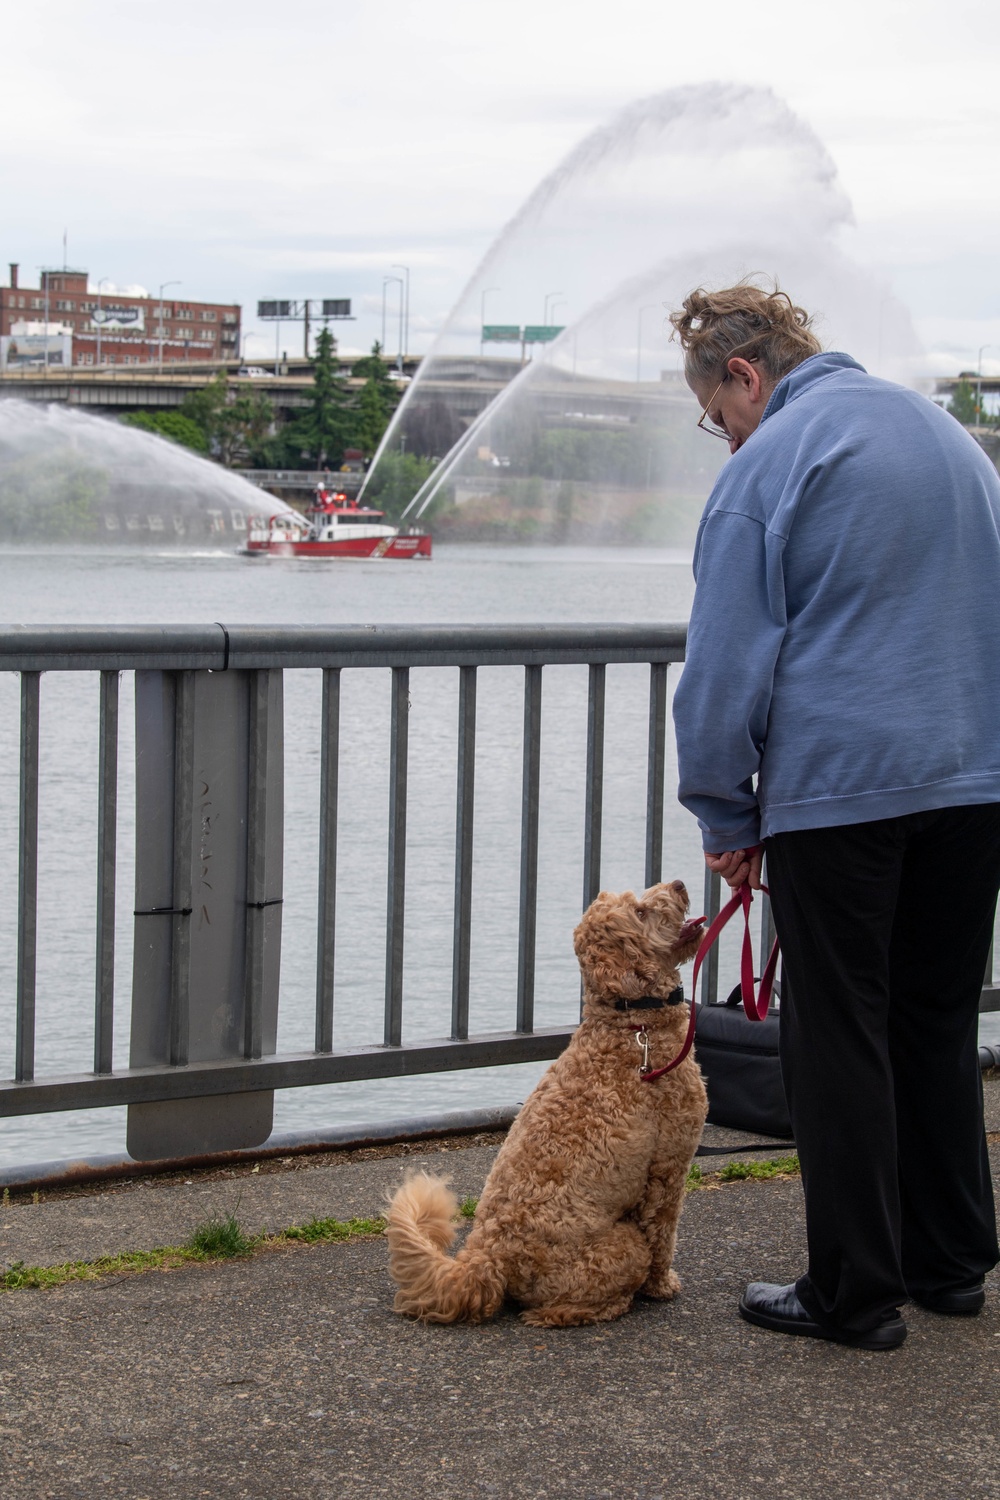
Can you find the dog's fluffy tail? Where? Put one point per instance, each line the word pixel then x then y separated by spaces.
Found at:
pixel 433 1286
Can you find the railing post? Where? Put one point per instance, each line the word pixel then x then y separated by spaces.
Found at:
pixel 656 763
pixel 710 969
pixel 464 816
pixel 329 792
pixel 595 783
pixel 399 739
pixel 27 880
pixel 107 830
pixel 529 848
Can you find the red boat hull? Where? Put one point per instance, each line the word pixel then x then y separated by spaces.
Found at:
pixel 400 546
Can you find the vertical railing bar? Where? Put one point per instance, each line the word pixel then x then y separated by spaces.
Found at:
pixel 529 848
pixel 595 782
pixel 710 968
pixel 329 793
pixel 27 880
pixel 656 765
pixel 253 1002
pixel 180 955
pixel 107 835
pixel 399 740
pixel 464 816
pixel 988 976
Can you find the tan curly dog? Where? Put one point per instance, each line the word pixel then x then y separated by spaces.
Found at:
pixel 580 1210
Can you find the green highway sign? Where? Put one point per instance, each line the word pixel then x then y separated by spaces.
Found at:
pixel 541 333
pixel 501 333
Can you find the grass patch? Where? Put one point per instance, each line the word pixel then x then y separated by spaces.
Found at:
pixel 216 1239
pixel 467 1208
pixel 330 1229
pixel 221 1239
pixel 741 1171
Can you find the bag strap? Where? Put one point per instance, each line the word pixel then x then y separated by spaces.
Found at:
pixel 755 1005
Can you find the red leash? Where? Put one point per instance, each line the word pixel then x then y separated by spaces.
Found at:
pixel 756 1006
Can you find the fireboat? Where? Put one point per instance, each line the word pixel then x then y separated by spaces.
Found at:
pixel 333 526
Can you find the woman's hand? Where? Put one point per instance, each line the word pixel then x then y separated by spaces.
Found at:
pixel 738 866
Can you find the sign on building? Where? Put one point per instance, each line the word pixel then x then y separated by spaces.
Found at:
pixel 36 350
pixel 132 319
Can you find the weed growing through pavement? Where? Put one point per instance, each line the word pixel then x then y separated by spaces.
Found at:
pixel 210 1246
pixel 467 1208
pixel 220 1239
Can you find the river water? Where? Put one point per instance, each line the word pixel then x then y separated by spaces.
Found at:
pixel 462 584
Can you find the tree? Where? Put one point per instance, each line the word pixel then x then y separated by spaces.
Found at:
pixel 170 424
pixel 963 405
pixel 237 428
pixel 378 400
pixel 327 427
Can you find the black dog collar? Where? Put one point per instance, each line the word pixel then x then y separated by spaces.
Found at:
pixel 652 1002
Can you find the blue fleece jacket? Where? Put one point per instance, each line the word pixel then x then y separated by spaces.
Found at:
pixel 844 644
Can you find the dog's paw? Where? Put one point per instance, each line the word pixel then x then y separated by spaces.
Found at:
pixel 662 1285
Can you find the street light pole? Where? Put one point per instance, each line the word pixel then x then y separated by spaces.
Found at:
pixel 406 312
pixel 163 286
pixel 99 285
pixel 386 280
pixel 482 313
pixel 638 339
pixel 548 296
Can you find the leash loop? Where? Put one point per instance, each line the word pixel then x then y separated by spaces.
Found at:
pixel 757 1005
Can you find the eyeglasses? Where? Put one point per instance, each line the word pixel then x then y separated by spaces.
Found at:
pixel 710 427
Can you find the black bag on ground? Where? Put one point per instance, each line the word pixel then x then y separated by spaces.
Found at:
pixel 739 1060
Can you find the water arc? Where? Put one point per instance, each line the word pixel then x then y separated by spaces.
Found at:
pixel 71 477
pixel 704 183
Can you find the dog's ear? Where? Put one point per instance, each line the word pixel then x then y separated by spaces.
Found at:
pixel 609 942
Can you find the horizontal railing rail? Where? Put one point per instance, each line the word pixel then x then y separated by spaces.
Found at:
pixel 187 649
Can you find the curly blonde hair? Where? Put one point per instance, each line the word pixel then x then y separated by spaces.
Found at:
pixel 746 320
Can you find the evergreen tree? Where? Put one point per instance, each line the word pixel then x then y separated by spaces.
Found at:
pixel 327 427
pixel 963 404
pixel 378 400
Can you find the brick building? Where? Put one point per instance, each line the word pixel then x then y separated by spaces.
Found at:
pixel 74 321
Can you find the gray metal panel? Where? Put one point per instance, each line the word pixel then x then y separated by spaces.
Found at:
pixel 193 886
pixel 107 828
pixel 27 880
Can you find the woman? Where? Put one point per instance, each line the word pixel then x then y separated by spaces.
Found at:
pixel 844 650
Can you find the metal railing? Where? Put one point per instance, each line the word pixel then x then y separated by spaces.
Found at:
pixel 187 650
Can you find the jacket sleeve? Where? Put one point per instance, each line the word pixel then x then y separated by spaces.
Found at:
pixel 723 699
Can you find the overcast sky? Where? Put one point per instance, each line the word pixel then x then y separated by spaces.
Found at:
pixel 302 148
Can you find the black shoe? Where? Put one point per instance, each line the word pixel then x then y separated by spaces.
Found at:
pixel 960 1301
pixel 779 1308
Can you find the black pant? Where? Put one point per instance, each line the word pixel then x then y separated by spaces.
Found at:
pixel 885 930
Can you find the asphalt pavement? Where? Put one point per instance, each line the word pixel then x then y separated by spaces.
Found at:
pixel 287 1375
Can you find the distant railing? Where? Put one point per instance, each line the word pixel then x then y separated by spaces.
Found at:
pixel 183 654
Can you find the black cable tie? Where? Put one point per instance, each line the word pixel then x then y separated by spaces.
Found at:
pixel 225 651
pixel 259 905
pixel 164 911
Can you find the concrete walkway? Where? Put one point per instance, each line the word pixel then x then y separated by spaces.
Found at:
pixel 288 1375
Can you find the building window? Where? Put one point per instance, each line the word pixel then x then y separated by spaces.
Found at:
pixel 206 333
pixel 208 317
pixel 85 359
pixel 230 317
pixel 38 302
pixel 184 312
